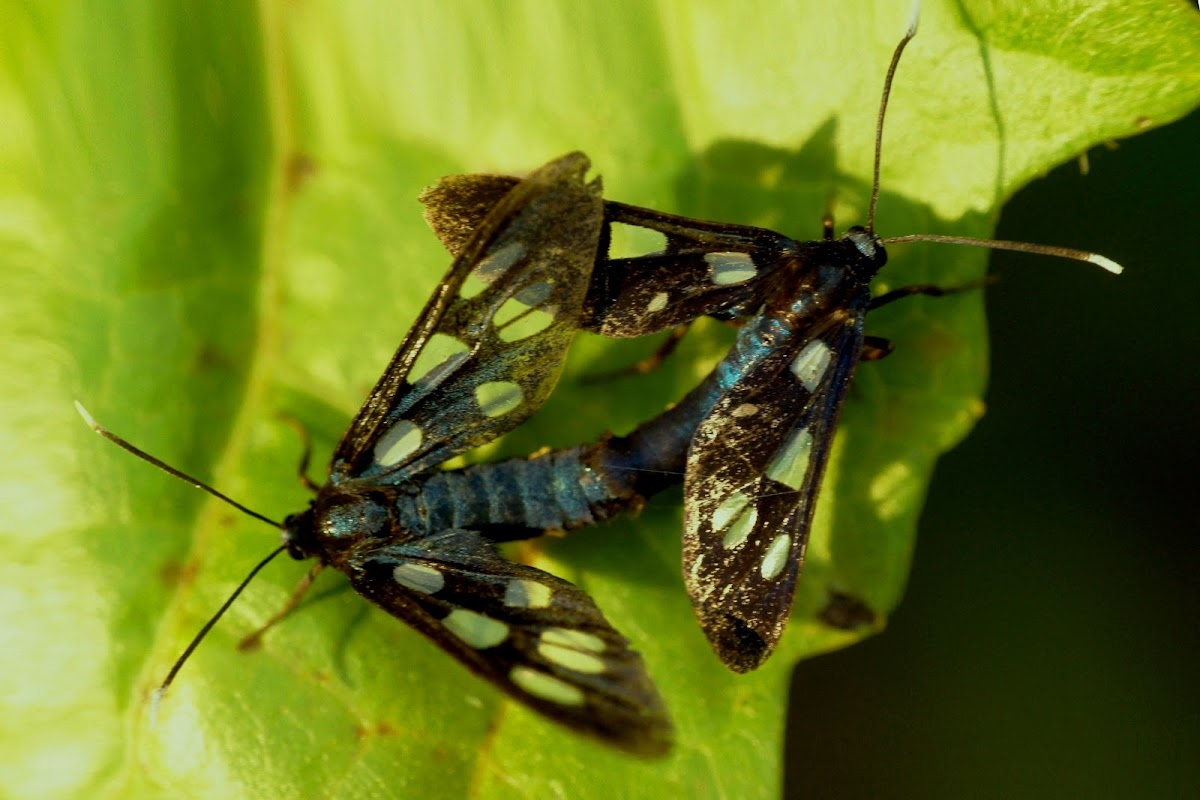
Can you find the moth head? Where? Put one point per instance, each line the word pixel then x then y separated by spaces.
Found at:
pixel 871 255
pixel 298 535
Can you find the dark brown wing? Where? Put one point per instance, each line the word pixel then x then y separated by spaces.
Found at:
pixel 753 476
pixel 489 346
pixel 535 636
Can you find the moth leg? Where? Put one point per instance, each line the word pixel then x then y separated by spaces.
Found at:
pixel 647 364
pixel 876 347
pixel 305 454
pixel 929 290
pixel 253 641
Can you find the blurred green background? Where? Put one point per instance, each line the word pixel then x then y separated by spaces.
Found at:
pixel 1048 642
pixel 194 196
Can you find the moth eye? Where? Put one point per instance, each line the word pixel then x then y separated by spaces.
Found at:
pixel 790 464
pixel 497 398
pixel 776 557
pixel 729 269
pixel 475 629
pixel 491 268
pixel 546 687
pixel 397 444
pixel 811 363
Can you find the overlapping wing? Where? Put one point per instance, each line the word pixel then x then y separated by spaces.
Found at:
pixel 706 268
pixel 489 346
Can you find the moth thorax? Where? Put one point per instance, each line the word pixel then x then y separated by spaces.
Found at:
pixel 340 518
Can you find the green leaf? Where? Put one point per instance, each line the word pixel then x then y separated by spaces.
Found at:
pixel 209 220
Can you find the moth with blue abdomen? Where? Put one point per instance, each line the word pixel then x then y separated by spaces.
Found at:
pixel 482 356
pixel 758 434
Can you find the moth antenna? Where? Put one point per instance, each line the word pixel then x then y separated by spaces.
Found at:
pixel 909 33
pixel 1021 247
pixel 994 244
pixel 167 468
pixel 208 626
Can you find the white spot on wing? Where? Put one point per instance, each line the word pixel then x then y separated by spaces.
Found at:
pixel 573 650
pixel 729 269
pixel 438 358
pixel 741 529
pixel 571 659
pixel 776 556
pixel 546 687
pixel 497 398
pixel 576 639
pixel 812 362
pixel 476 630
pixel 790 464
pixel 737 517
pixel 419 577
pixel 657 303
pixel 526 594
pixel 398 443
pixel 744 410
pixel 515 320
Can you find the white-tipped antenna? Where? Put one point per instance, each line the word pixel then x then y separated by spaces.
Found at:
pixel 914 17
pixel 883 103
pixel 1021 247
pixel 167 468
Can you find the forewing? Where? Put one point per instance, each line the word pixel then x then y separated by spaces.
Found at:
pixel 538 638
pixel 753 475
pixel 488 347
pixel 706 268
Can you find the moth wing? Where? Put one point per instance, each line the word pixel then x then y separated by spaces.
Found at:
pixel 488 347
pixel 457 204
pixel 753 476
pixel 535 636
pixel 706 268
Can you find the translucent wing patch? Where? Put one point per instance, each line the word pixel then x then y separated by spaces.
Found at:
pixel 707 268
pixel 753 475
pixel 535 636
pixel 489 346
